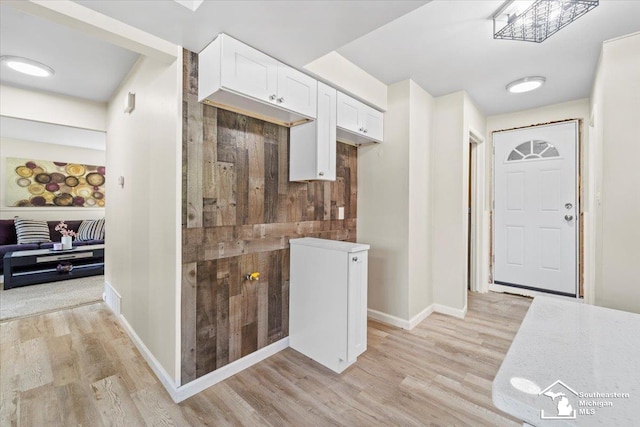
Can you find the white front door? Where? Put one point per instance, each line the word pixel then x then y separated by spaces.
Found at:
pixel 536 212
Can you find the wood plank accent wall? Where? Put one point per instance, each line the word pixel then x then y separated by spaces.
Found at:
pixel 239 211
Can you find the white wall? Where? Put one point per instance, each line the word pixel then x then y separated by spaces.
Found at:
pixel 420 287
pixel 346 76
pixel 52 108
pixel 143 254
pixel 455 116
pixel 393 205
pixel 449 244
pixel 54 152
pixel 616 126
pixel 383 203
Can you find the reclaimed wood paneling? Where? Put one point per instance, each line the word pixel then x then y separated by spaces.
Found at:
pixel 239 212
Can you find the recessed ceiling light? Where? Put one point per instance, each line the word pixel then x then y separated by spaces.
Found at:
pixel 526 84
pixel 27 66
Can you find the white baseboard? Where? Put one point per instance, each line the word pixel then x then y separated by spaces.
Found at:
pixel 206 381
pixel 415 320
pixel 388 319
pixel 164 377
pixel 397 321
pixel 460 313
pixel 112 298
pixel 180 393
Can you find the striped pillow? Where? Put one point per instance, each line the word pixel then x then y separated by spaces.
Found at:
pixel 31 231
pixel 91 230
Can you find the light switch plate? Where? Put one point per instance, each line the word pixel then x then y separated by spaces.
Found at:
pixel 341 212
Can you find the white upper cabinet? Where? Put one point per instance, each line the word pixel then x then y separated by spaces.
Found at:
pixel 247 70
pixel 358 123
pixel 312 148
pixel 237 77
pixel 296 91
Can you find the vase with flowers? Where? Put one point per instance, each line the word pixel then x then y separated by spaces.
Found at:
pixel 67 235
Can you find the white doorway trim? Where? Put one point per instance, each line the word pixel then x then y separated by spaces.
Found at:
pixel 479 257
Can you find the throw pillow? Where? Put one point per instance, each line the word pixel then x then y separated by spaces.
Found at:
pixel 31 231
pixel 91 230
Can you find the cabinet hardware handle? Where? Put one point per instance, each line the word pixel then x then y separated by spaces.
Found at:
pixel 361 129
pixel 281 100
pixel 354 259
pixel 321 173
pixel 365 131
pixel 272 98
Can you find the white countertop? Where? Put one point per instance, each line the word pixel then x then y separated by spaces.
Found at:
pixel 335 245
pixel 589 349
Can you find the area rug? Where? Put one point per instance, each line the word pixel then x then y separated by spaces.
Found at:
pixel 47 297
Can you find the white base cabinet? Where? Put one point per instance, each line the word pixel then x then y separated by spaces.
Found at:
pixel 328 301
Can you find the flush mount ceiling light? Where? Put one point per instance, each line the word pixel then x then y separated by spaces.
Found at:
pixel 27 66
pixel 538 20
pixel 526 84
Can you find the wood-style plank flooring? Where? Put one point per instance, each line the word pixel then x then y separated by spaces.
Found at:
pixel 78 367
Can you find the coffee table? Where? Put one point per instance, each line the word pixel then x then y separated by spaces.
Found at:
pixel 22 268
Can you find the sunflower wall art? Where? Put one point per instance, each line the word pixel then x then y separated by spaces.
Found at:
pixel 36 183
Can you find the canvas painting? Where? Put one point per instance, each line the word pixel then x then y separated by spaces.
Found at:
pixel 36 183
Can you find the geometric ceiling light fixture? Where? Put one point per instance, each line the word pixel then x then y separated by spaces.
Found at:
pixel 538 20
pixel 27 66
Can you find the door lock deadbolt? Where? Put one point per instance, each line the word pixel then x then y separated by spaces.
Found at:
pixel 568 205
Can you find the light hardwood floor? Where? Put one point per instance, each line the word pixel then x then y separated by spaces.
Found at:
pixel 78 367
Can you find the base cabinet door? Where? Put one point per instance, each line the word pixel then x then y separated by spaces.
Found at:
pixel 357 286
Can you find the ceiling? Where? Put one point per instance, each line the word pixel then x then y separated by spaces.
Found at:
pixel 84 66
pixel 444 46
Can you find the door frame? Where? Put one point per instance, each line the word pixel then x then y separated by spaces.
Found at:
pixel 478 234
pixel 580 285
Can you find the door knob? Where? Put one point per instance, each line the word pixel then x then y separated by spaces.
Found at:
pixel 568 217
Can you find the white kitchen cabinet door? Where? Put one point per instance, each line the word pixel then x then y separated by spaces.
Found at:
pixel 248 71
pixel 348 113
pixel 312 148
pixel 296 91
pixel 358 123
pixel 372 123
